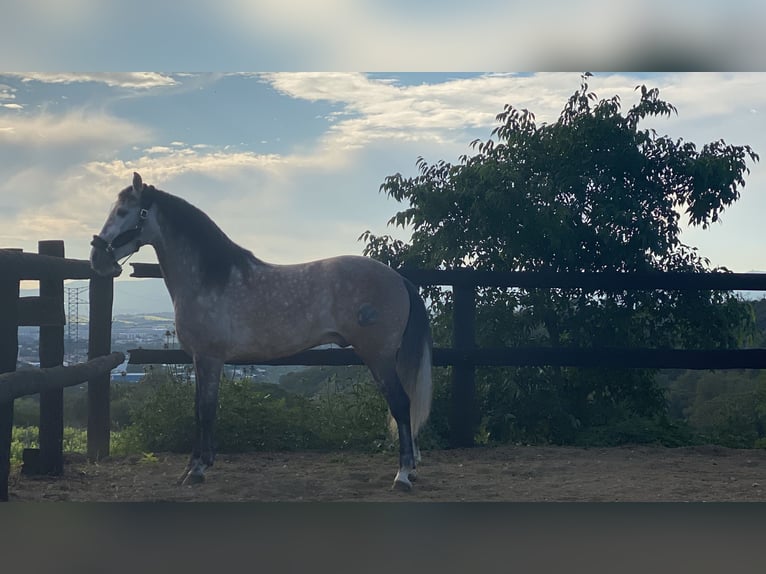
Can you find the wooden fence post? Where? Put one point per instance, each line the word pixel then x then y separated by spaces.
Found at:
pixel 51 460
pixel 9 350
pixel 101 293
pixel 463 411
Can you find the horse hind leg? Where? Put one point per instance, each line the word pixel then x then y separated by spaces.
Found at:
pixel 399 405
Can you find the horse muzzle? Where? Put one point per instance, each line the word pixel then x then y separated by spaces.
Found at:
pixel 102 259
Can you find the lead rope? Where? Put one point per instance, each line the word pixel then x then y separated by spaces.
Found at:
pixel 124 261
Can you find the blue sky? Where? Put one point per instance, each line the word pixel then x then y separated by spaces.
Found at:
pixel 289 164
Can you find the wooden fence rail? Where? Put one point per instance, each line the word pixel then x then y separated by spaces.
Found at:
pixel 32 381
pixel 464 356
pixel 33 266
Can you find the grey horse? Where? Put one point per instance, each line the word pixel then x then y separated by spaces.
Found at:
pixel 230 305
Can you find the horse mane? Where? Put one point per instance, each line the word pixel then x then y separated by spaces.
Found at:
pixel 217 253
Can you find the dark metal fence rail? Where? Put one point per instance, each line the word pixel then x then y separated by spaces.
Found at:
pixel 604 281
pixel 503 357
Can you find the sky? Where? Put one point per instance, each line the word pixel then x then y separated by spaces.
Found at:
pixel 299 35
pixel 289 164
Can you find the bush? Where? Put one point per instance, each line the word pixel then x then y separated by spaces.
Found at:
pixel 26 411
pixel 163 417
pixel 346 411
pixel 350 414
pixel 724 407
pixel 260 416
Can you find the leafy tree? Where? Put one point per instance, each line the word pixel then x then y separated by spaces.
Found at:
pixel 589 192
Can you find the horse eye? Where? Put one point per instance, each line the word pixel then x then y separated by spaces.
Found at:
pixel 122 212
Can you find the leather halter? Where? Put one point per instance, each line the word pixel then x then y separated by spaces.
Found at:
pixel 129 235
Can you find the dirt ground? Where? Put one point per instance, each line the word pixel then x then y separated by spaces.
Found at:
pixel 508 473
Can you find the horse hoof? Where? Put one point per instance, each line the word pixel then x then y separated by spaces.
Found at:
pixel 191 478
pixel 402 485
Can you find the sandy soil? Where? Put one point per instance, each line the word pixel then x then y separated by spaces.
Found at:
pixel 508 473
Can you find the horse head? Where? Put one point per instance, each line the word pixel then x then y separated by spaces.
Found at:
pixel 123 232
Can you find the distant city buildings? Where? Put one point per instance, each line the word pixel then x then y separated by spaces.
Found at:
pixel 128 332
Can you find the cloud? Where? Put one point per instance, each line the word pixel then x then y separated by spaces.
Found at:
pixel 81 128
pixel 7 92
pixel 451 112
pixel 158 149
pixel 132 80
pixel 378 108
pixel 383 109
pixel 702 95
pixel 42 194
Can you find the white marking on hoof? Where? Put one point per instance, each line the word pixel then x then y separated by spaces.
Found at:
pixel 402 481
pixel 194 474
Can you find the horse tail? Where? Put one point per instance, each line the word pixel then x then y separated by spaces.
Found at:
pixel 413 361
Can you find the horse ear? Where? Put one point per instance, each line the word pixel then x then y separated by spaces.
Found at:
pixel 138 184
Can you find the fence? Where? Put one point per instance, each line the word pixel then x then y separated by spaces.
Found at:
pixel 46 311
pixel 464 356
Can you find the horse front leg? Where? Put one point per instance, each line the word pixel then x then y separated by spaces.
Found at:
pixel 208 377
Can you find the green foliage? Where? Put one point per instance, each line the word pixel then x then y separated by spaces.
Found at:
pixel 74 440
pixel 310 382
pixel 723 407
pixel 633 429
pixel 23 437
pixel 261 416
pixel 435 433
pixel 26 411
pixel 122 395
pixel 164 419
pixel 589 192
pixel 759 313
pixel 350 413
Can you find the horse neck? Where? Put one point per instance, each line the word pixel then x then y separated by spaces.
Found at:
pixel 179 261
pixel 194 253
